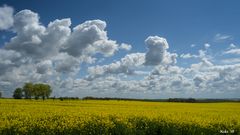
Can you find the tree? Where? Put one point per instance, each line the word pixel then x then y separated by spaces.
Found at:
pixel 48 91
pixel 41 90
pixel 28 90
pixel 37 90
pixel 18 93
pixel 0 94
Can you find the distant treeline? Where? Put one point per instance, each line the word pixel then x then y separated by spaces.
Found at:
pixel 111 98
pixel 187 100
pixel 65 98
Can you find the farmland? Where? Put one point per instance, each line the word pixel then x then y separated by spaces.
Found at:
pixel 117 117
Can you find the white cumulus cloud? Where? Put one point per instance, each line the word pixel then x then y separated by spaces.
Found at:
pixel 6 17
pixel 125 47
pixel 56 53
pixel 157 47
pixel 126 65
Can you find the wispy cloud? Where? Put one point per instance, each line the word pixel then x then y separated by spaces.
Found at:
pixel 230 61
pixel 231 46
pixel 222 37
pixel 207 45
pixel 192 45
pixel 233 51
pixel 188 56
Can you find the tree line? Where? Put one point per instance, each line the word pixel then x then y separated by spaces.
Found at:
pixel 31 90
pixel 187 100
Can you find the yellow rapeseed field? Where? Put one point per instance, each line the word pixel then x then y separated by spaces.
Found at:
pixel 117 117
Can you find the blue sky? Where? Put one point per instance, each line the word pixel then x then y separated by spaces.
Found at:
pixel 183 23
pixel 186 25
